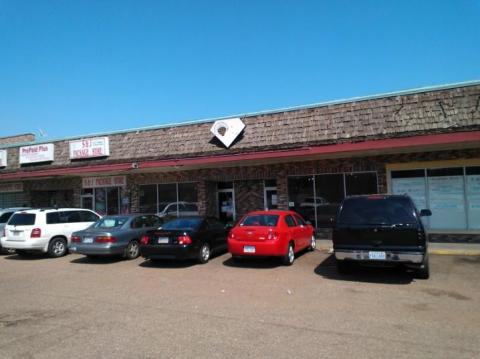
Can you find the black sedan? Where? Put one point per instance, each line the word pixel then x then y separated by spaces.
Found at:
pixel 185 238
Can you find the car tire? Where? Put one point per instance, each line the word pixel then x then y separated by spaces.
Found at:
pixel 133 250
pixel 343 267
pixel 424 271
pixel 313 243
pixel 289 256
pixel 57 247
pixel 204 253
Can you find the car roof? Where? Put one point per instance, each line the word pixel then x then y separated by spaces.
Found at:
pixel 49 210
pixel 274 211
pixel 379 196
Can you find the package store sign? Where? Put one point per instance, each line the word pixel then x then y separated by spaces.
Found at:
pixel 3 158
pixel 89 148
pixel 36 153
pixel 11 187
pixel 97 182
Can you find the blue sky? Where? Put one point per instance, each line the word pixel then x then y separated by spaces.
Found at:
pixel 78 67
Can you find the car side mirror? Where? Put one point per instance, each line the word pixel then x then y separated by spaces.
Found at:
pixel 425 213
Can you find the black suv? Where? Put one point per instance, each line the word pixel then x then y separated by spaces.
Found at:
pixel 383 230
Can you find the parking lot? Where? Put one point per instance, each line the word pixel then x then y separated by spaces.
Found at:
pixel 74 307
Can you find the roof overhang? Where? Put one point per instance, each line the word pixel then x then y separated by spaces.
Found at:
pixel 434 142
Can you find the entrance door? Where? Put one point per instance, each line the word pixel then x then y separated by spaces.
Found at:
pixel 226 205
pixel 270 198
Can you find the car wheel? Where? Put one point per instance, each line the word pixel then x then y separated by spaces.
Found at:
pixel 133 250
pixel 289 256
pixel 343 267
pixel 204 253
pixel 424 271
pixel 57 247
pixel 313 243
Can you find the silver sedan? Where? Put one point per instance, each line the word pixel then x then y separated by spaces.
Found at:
pixel 114 235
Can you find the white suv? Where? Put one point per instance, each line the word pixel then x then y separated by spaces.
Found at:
pixel 45 230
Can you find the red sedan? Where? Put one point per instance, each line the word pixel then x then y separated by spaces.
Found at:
pixel 271 233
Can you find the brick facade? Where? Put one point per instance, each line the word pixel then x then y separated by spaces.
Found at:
pixel 434 111
pixel 17 139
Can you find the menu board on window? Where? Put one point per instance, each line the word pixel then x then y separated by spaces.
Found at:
pixel 473 201
pixel 414 187
pixel 447 202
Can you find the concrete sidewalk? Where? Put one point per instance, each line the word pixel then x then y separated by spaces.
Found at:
pixel 460 249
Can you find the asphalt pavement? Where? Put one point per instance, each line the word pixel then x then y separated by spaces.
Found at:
pixel 72 307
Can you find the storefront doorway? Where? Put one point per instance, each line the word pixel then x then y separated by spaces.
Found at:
pixel 270 194
pixel 226 202
pixel 105 195
pixel 103 200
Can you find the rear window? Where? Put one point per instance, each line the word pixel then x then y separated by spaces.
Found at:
pixel 110 222
pixel 183 223
pixel 377 210
pixel 262 220
pixel 22 219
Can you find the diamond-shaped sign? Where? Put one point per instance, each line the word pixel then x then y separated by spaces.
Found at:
pixel 227 130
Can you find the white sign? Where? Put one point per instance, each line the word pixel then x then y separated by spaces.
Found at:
pixel 3 158
pixel 227 130
pixel 11 187
pixel 36 153
pixel 89 147
pixel 96 182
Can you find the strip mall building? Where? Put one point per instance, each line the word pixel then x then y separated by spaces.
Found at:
pixel 423 142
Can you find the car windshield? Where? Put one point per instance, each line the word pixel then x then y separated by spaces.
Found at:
pixel 110 222
pixel 377 210
pixel 22 219
pixel 186 224
pixel 262 220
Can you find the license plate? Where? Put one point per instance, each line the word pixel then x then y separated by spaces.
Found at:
pixel 249 249
pixel 16 233
pixel 88 240
pixel 377 255
pixel 162 240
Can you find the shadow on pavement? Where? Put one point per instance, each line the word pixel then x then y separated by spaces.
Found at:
pixel 27 257
pixel 384 275
pixel 168 263
pixel 97 260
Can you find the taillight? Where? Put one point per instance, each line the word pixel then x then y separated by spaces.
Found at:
pixel 76 239
pixel 144 239
pixel 185 239
pixel 105 239
pixel 36 233
pixel 272 236
pixel 231 235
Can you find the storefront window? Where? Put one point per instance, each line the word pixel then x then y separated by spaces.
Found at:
pixel 452 194
pixel 446 193
pixel 473 196
pixel 169 200
pixel 361 183
pixel 318 197
pixel 101 201
pixel 113 204
pixel 148 199
pixel 301 196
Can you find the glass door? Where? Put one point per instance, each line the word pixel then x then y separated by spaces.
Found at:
pixel 270 198
pixel 226 205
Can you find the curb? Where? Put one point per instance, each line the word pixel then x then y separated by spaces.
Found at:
pixel 455 252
